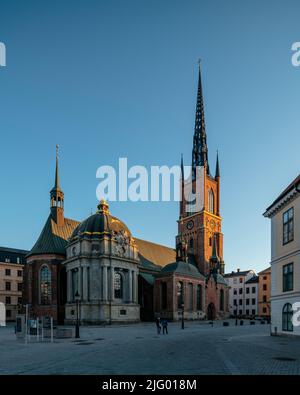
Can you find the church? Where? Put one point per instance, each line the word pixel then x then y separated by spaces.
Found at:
pixel 120 278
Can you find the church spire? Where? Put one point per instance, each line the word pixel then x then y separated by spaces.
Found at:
pixel 57 196
pixel 56 183
pixel 200 151
pixel 217 167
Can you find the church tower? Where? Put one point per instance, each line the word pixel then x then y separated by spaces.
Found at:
pixel 201 226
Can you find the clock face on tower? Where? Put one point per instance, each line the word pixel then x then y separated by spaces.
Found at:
pixel 190 225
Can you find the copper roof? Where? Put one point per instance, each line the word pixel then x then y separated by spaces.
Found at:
pixel 154 254
pixel 53 238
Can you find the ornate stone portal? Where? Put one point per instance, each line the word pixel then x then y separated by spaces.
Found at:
pixel 102 266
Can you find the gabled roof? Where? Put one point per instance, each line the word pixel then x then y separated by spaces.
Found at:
pixel 265 271
pixel 53 238
pixel 237 274
pixel 286 191
pixel 252 280
pixel 154 256
pixel 13 250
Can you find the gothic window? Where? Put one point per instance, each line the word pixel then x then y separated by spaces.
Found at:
pixel 287 315
pixel 45 286
pixel 199 297
pixel 191 243
pixel 222 300
pixel 211 201
pixel 179 294
pixel 164 296
pixel 118 285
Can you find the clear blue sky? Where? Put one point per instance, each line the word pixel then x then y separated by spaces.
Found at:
pixel 107 79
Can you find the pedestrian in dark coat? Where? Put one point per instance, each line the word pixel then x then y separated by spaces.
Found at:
pixel 165 326
pixel 158 327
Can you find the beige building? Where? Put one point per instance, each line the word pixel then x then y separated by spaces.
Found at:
pixel 264 293
pixel 284 213
pixel 12 262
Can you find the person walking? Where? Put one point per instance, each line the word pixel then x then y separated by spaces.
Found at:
pixel 158 327
pixel 165 326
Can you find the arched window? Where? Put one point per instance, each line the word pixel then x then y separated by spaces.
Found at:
pixel 287 315
pixel 179 294
pixel 45 286
pixel 164 296
pixel 118 285
pixel 199 297
pixel 221 300
pixel 191 243
pixel 211 201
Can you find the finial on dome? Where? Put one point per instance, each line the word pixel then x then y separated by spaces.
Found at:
pixel 103 206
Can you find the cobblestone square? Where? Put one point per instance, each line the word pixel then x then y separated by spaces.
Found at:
pixel 137 349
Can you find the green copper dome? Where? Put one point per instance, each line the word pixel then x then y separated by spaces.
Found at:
pixel 183 268
pixel 100 223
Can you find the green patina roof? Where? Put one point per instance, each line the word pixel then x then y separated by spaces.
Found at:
pixel 183 268
pixel 53 238
pixel 148 277
pixel 221 279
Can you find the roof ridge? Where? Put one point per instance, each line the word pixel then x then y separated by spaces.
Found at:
pixel 151 242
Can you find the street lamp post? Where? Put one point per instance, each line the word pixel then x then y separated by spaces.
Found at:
pixel 182 318
pixel 77 300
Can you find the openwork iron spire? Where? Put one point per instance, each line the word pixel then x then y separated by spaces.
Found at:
pixel 56 183
pixel 200 151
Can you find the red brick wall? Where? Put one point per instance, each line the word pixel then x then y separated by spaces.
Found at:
pixel 31 286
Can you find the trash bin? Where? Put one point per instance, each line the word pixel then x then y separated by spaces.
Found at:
pixel 241 322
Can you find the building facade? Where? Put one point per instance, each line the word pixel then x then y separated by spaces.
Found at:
pixel 264 293
pixel 284 213
pixel 12 263
pixel 120 278
pixel 242 294
pixel 102 269
pixel 200 222
pixel 251 297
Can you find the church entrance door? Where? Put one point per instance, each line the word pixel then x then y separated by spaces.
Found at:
pixel 211 312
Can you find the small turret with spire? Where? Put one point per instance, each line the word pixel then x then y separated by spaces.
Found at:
pixel 57 196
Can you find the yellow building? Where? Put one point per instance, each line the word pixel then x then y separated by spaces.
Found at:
pixel 264 293
pixel 12 263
